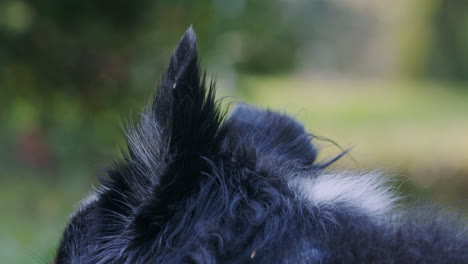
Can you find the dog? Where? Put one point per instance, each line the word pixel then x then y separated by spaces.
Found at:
pixel 201 186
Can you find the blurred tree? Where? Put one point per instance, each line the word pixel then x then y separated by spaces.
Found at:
pixel 448 58
pixel 85 49
pixel 74 47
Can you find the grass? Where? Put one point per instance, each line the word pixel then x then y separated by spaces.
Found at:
pixel 418 130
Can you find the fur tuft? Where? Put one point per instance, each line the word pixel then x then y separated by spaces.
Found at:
pixel 370 192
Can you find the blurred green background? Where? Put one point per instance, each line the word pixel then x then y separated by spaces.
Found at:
pixel 387 78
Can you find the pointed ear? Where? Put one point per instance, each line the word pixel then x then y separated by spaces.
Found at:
pixel 176 133
pixel 184 103
pixel 183 119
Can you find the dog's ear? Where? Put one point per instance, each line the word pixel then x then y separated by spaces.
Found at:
pixel 278 137
pixel 183 120
pixel 186 104
pixel 175 136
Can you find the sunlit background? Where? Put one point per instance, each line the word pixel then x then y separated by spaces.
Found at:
pixel 385 78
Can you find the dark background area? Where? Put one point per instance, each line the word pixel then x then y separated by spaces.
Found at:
pixel 388 78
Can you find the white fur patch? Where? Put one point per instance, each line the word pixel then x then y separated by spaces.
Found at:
pixel 369 192
pixel 91 198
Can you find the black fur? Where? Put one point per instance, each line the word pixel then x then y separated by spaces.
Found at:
pixel 200 187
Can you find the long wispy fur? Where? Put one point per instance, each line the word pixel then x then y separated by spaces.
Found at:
pixel 198 186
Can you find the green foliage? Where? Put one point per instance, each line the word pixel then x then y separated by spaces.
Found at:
pixel 435 41
pixel 449 54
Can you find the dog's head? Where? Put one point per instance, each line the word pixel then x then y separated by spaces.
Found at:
pixel 195 184
pixel 200 186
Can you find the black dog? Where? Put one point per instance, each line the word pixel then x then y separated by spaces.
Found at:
pixel 198 186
